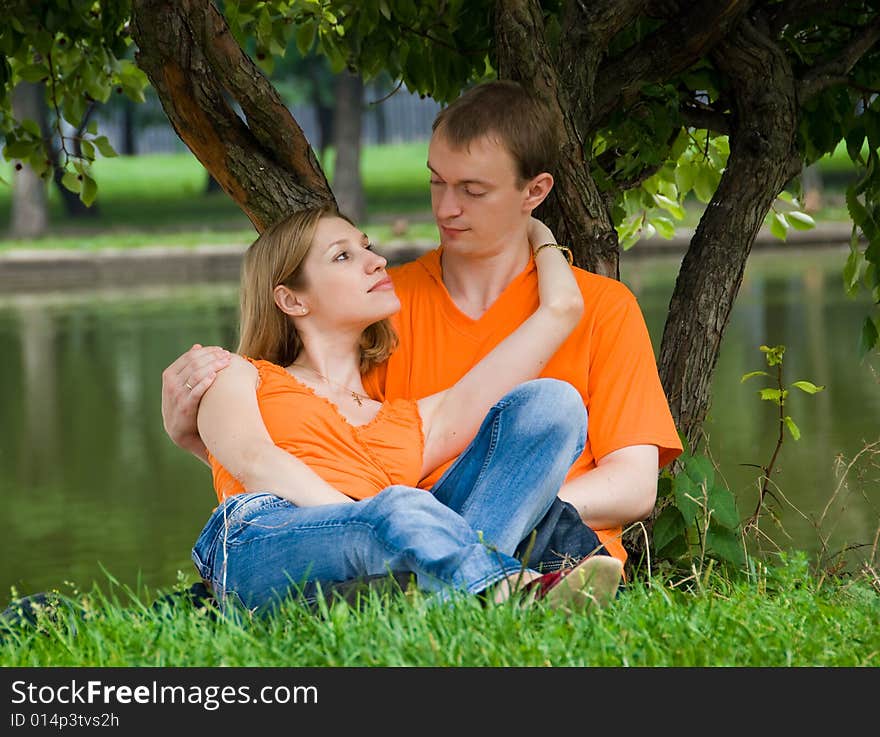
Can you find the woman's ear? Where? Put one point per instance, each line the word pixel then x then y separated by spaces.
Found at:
pixel 537 190
pixel 288 302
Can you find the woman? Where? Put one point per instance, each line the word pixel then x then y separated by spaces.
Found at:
pixel 317 481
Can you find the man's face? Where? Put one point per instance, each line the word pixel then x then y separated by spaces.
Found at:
pixel 478 203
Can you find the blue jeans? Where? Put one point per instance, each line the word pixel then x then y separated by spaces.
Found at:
pixel 257 548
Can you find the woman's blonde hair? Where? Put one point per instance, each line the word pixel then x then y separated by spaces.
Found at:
pixel 276 258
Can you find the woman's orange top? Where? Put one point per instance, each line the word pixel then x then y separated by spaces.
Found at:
pixel 358 460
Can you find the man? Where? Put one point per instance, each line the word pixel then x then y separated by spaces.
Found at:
pixel 491 158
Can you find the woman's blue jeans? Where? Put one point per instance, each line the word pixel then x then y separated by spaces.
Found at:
pixel 462 535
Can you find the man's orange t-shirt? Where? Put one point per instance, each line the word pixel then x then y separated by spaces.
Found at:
pixel 608 358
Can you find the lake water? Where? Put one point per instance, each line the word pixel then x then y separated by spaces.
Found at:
pixel 91 486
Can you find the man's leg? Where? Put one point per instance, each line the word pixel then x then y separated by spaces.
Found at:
pixel 506 480
pixel 560 539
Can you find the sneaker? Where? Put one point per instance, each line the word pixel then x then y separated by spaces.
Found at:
pixel 591 583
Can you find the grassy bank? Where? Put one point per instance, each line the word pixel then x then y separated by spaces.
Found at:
pixel 780 617
pixel 162 200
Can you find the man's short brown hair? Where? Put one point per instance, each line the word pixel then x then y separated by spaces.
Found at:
pixel 503 110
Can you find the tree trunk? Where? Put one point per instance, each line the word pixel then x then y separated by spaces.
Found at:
pixel 762 159
pixel 347 183
pixel 30 211
pixel 575 210
pixel 129 143
pixel 318 77
pixel 262 161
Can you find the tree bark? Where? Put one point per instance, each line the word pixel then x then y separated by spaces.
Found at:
pixel 762 159
pixel 263 160
pixel 575 210
pixel 30 209
pixel 347 183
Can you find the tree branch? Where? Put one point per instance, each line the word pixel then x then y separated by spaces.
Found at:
pixel 705 118
pixel 587 29
pixel 793 13
pixel 666 52
pixel 831 71
pixel 265 164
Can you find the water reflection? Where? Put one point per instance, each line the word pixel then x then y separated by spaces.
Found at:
pixel 89 479
pixel 793 298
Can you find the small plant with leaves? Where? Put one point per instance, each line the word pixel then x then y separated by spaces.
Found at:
pixel 698 517
pixel 778 394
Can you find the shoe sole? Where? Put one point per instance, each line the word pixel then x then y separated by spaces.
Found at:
pixel 591 583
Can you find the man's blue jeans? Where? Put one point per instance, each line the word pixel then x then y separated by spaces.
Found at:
pixel 256 548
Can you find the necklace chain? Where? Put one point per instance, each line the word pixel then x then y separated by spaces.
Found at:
pixel 356 396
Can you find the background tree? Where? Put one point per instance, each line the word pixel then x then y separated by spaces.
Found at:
pixel 655 101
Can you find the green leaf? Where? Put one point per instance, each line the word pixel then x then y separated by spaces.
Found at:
pixel 72 181
pixel 684 178
pixel 752 374
pixel 104 147
pixel 723 505
pixel 670 205
pixel 778 226
pixel 700 470
pixel 772 395
pixel 808 386
pixel 32 127
pixel 688 498
pixel 868 338
pixel 18 150
pixel 33 72
pixel 851 272
pixel 88 150
pixel 665 227
pixel 792 428
pixel 89 190
pixel 668 526
pixel 305 37
pixel 725 544
pixel 800 220
pixel 704 184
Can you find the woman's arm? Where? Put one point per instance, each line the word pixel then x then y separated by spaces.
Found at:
pixel 452 417
pixel 232 428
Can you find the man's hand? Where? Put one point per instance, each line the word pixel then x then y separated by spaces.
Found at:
pixel 184 383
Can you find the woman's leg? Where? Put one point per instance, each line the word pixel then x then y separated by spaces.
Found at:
pixel 506 480
pixel 257 547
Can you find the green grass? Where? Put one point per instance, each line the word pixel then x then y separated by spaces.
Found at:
pixel 161 200
pixel 782 617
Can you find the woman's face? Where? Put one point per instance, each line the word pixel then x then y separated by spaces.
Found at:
pixel 346 281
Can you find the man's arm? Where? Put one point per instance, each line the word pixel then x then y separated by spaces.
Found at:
pixel 620 490
pixel 184 383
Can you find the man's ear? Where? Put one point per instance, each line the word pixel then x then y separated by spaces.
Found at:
pixel 537 190
pixel 288 301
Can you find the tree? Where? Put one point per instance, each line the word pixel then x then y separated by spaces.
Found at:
pixel 30 211
pixel 654 100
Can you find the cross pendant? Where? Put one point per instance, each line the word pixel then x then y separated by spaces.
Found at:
pixel 357 399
